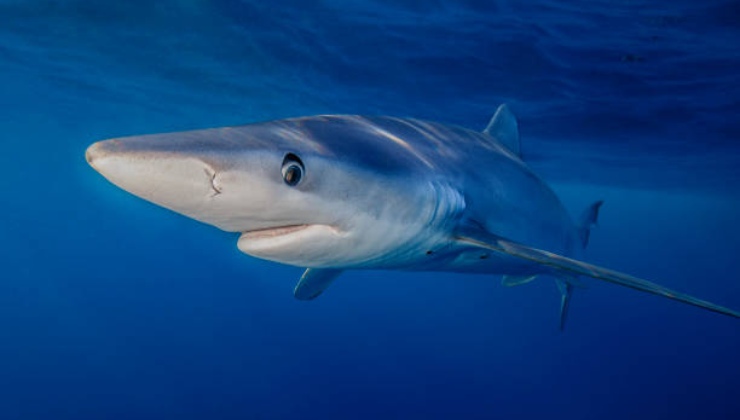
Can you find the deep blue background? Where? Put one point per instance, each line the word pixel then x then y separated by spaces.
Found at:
pixel 113 308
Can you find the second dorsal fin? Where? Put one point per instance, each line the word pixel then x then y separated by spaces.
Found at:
pixel 504 128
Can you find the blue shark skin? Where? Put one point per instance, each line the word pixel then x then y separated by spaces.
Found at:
pixel 333 193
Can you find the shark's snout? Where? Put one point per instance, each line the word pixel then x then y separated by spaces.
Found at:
pixel 91 153
pixel 99 150
pixel 180 182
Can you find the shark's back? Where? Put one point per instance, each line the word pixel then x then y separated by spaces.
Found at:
pixel 501 191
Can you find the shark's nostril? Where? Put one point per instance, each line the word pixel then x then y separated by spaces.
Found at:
pixel 215 185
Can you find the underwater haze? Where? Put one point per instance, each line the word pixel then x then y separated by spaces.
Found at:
pixel 113 308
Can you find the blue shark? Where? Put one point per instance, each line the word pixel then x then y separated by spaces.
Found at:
pixel 342 192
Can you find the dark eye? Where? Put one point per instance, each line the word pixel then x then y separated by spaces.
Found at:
pixel 292 169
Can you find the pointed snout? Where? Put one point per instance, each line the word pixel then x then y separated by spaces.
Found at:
pixel 99 150
pixel 91 153
pixel 178 181
pixel 224 177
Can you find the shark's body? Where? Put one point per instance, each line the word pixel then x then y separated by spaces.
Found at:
pixel 332 193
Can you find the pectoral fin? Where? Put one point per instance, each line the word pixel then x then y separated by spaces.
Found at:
pixel 314 281
pixel 565 266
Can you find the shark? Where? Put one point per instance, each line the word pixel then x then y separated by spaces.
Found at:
pixel 332 193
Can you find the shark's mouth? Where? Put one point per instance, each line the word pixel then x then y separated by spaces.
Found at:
pixel 272 232
pixel 292 244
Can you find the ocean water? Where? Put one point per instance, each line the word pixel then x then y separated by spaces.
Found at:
pixel 113 308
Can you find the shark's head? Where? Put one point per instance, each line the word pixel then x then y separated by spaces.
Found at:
pixel 315 192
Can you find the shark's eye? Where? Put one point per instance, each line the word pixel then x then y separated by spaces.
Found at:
pixel 292 169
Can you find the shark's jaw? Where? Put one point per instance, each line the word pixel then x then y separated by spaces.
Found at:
pixel 273 232
pixel 301 245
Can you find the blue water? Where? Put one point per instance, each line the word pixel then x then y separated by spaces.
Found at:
pixel 113 308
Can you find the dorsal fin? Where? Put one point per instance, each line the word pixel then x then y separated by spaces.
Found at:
pixel 588 220
pixel 504 128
